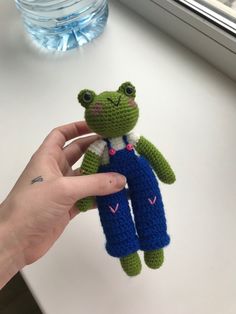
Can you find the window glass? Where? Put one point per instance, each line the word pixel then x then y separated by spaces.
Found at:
pixel 220 12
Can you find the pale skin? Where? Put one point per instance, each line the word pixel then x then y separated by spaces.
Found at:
pixel 41 204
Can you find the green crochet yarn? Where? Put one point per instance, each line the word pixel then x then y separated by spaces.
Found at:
pixel 110 114
pixel 90 163
pixel 158 162
pixel 131 264
pixel 154 259
pixel 85 203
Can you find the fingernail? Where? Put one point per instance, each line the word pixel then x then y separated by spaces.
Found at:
pixel 120 180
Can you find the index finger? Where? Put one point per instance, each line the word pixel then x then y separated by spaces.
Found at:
pixel 60 135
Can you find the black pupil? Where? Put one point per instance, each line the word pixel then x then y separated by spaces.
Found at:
pixel 87 96
pixel 129 90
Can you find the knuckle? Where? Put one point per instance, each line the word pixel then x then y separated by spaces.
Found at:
pixel 37 157
pixel 34 156
pixel 53 132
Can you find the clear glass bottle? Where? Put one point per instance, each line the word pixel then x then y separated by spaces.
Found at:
pixel 60 25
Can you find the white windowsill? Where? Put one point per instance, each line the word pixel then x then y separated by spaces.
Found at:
pixel 187 109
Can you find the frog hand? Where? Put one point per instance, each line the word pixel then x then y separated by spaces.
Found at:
pixel 165 173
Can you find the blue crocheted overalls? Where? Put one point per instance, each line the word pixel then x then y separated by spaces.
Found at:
pixel 121 235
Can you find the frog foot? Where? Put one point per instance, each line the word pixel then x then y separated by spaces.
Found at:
pixel 154 259
pixel 131 264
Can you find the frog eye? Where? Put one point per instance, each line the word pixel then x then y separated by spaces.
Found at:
pixel 128 89
pixel 86 97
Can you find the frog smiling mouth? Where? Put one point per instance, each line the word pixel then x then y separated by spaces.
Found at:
pixel 113 102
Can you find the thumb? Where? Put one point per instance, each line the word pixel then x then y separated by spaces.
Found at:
pixel 78 187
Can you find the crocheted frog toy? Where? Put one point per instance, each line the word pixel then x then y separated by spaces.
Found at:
pixel 113 115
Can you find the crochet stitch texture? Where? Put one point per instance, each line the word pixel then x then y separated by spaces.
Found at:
pixel 113 115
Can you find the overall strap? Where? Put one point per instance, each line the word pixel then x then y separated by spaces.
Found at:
pixel 129 146
pixel 108 143
pixel 111 150
pixel 125 139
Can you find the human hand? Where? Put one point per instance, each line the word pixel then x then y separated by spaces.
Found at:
pixel 41 203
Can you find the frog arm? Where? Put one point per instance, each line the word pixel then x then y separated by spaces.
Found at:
pixel 156 159
pixel 89 165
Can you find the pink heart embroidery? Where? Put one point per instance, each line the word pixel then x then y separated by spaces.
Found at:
pixel 152 202
pixel 114 210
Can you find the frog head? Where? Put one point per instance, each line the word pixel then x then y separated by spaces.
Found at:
pixel 110 114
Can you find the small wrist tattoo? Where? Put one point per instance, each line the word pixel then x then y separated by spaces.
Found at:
pixel 38 179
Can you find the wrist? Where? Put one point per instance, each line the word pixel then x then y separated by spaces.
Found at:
pixel 11 255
